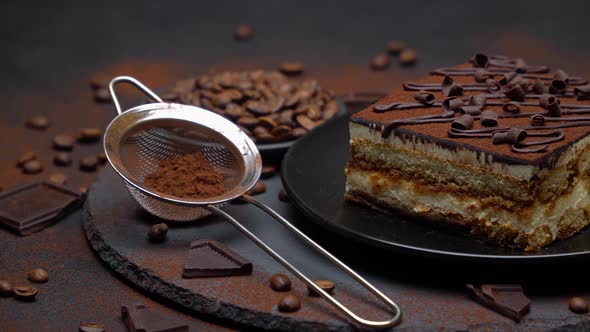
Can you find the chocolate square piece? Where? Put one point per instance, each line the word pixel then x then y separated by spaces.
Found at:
pixel 139 319
pixel 209 258
pixel 32 207
pixel 507 300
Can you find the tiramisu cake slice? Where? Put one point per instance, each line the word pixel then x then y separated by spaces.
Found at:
pixel 496 145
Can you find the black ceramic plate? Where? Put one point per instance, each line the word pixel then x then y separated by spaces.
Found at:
pixel 313 175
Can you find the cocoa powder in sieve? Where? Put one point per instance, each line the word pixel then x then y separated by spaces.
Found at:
pixel 188 176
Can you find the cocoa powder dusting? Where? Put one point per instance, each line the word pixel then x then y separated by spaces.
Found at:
pixel 188 176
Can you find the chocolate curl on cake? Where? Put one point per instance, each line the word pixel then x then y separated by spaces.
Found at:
pixel 452 104
pixel 560 82
pixel 481 75
pixel 450 88
pixel 524 83
pixel 424 97
pixel 507 78
pixel 520 66
pixel 478 100
pixel 582 92
pixel 492 85
pixel 489 119
pixel 473 110
pixel 513 135
pixel 551 104
pixel 537 120
pixel 479 60
pixel 514 92
pixel 512 107
pixel 538 87
pixel 463 122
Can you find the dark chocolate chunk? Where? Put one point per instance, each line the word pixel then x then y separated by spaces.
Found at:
pixel 5 288
pixel 452 104
pixel 32 167
pixel 102 95
pixel 38 275
pixel 511 107
pixel 209 258
pixel 157 232
pixel 578 305
pixel 91 327
pixel 539 87
pixel 289 303
pixel 62 159
pixel 38 122
pixel 244 32
pixel 520 66
pixel 508 300
pixel 481 75
pixel 424 97
pixel 471 110
pixel 450 88
pixel 58 178
pixel 268 171
pixel 327 285
pixel 582 92
pixel 25 293
pixel 551 104
pixel 537 120
pixel 463 122
pixel 511 136
pixel 514 92
pixel 394 47
pixel 63 142
pixel 492 85
pixel 291 68
pixel 380 61
pixel 283 196
pixel 489 119
pixel 479 60
pixel 88 135
pixel 31 207
pixel 477 100
pixel 280 282
pixel 89 163
pixel 25 157
pixel 507 78
pixel 407 57
pixel 140 319
pixel 258 188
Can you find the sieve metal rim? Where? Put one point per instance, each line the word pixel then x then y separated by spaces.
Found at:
pixel 191 114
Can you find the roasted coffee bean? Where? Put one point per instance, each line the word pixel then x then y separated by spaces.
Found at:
pixel 157 232
pixel 244 32
pixel 380 62
pixel 291 68
pixel 58 178
pixel 259 130
pixel 27 156
pixel 5 288
pixel 234 111
pixel 62 159
pixel 280 282
pixel 305 122
pixel 298 132
pixel 407 57
pixel 102 158
pixel 90 134
pixel 281 131
pixel 326 285
pixel 91 327
pixel 395 47
pixel 265 138
pixel 38 122
pixel 258 188
pixel 102 95
pixel 32 167
pixel 268 171
pixel 247 121
pixel 289 303
pixel 89 163
pixel 100 80
pixel 267 122
pixel 26 293
pixel 63 142
pixel 283 196
pixel 38 275
pixel 578 305
pixel 286 118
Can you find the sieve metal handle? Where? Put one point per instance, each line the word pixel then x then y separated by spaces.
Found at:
pixel 135 83
pixel 347 312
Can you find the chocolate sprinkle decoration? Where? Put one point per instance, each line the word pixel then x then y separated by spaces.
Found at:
pixel 512 136
pixel 582 92
pixel 551 104
pixel 539 87
pixel 463 122
pixel 473 110
pixel 514 92
pixel 450 88
pixel 424 97
pixel 512 107
pixel 520 66
pixel 479 60
pixel 482 75
pixel 489 119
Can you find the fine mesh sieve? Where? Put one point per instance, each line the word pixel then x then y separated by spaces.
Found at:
pixel 139 138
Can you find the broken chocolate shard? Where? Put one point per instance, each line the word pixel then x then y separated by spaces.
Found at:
pixel 424 97
pixel 507 300
pixel 140 319
pixel 34 206
pixel 209 258
pixel 450 88
pixel 479 60
pixel 582 92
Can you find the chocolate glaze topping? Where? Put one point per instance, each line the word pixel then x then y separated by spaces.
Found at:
pixel 518 89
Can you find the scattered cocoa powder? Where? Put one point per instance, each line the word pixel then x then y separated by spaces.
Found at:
pixel 188 176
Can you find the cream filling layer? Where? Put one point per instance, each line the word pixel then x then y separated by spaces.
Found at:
pixel 402 193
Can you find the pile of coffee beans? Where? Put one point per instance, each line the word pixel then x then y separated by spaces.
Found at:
pixel 24 292
pixel 394 48
pixel 290 303
pixel 266 105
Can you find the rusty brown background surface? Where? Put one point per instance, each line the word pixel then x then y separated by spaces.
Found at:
pixel 50 50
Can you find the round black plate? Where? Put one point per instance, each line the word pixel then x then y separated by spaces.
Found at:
pixel 313 175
